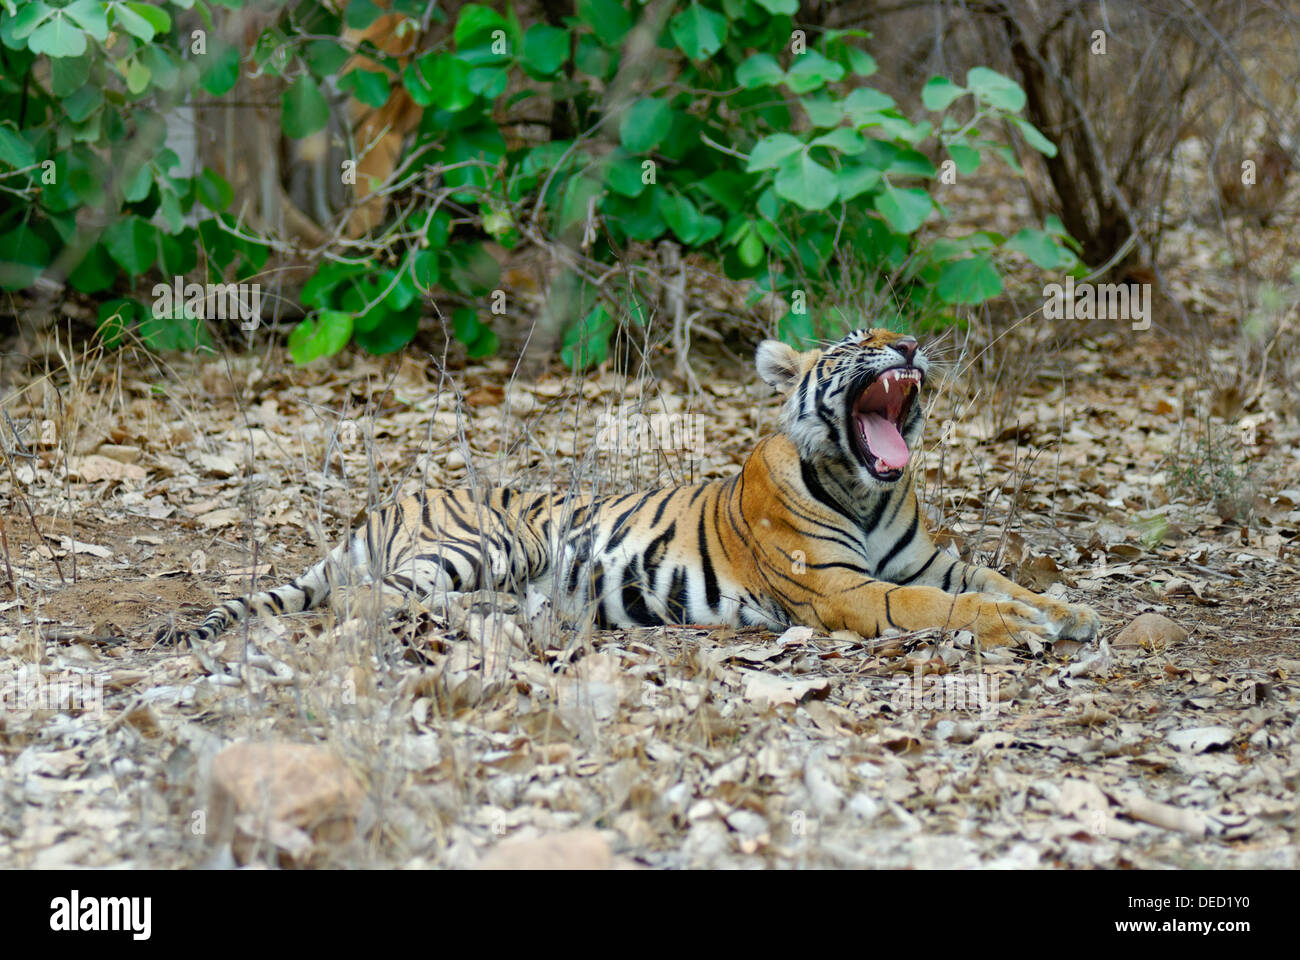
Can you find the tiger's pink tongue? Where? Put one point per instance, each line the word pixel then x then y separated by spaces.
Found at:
pixel 884 440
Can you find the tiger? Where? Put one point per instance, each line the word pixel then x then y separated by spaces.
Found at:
pixel 820 528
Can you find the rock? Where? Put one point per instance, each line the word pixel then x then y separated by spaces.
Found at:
pixel 266 791
pixel 1200 739
pixel 119 452
pixel 1150 630
pixel 570 850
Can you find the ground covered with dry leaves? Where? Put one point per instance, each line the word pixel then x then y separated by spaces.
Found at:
pixel 1155 475
pixel 467 732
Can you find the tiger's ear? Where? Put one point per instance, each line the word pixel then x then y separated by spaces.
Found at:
pixel 779 364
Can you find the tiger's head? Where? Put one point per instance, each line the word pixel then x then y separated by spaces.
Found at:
pixel 856 403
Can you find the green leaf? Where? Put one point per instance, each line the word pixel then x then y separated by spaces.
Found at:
pixel 750 249
pixel 608 19
pixel 1053 225
pixel 362 13
pixel 425 270
pixel 90 16
pixel 972 280
pixel 593 58
pixel 903 209
pixel 855 180
pixel 586 343
pixel 164 70
pixel 483 143
pixel 137 76
pixel 320 336
pixel 472 269
pixel 476 25
pixel 823 111
pixel 842 139
pixel 115 316
pixel 623 174
pixel 771 151
pixel 213 191
pixel 303 110
pixel 698 31
pixel 14 150
pixel 811 71
pixel 804 181
pixel 1034 137
pixel 780 7
pixel 173 333
pixel 1008 156
pixel 465 324
pixel 545 49
pixel 96 272
pixel 133 243
pixel 796 329
pixel 911 163
pixel 325 57
pixel 389 333
pixel 141 20
pixel 57 37
pixel 683 217
pixel 23 255
pixel 484 345
pixel 219 67
pixel 69 74
pixel 28 18
pixel 995 90
pixel 860 62
pixel 760 70
pixel 137 186
pixel 966 157
pixel 644 125
pixel 448 79
pixel 368 86
pixel 1039 246
pixel 863 103
pixel 939 92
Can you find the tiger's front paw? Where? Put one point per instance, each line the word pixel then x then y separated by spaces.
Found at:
pixel 998 622
pixel 1071 621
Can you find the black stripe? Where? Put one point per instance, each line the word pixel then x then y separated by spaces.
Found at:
pixel 634 605
pixel 903 541
pixel 819 492
pixel 924 567
pixel 598 591
pixel 711 592
pixel 678 599
pixel 659 512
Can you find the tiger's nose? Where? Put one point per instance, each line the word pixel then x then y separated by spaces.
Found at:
pixel 907 347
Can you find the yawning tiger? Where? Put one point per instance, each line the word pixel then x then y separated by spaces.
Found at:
pixel 821 527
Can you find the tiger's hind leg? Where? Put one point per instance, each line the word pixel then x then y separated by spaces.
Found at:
pixel 456 542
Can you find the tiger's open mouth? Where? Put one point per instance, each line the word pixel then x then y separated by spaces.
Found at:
pixel 878 412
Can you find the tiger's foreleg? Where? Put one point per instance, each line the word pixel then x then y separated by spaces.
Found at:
pixel 1073 621
pixel 870 607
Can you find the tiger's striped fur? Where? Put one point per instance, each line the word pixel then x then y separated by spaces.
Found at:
pixel 821 527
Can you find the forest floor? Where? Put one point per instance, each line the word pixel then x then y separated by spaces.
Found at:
pixel 1152 472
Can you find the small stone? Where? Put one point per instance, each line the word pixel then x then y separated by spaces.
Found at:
pixel 569 850
pixel 256 786
pixel 1150 630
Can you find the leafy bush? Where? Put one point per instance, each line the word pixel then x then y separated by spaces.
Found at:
pixel 763 152
pixel 84 86
pixel 750 142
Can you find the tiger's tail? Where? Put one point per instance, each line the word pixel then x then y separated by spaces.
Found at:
pixel 302 593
